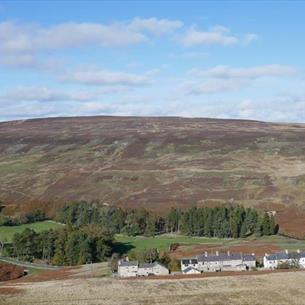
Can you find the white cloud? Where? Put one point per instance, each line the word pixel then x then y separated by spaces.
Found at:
pixel 15 37
pixel 251 72
pixel 45 94
pixel 154 25
pixel 212 86
pixel 22 43
pixel 225 78
pixel 217 35
pixel 250 37
pixel 106 77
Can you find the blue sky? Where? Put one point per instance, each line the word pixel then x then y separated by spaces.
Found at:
pixel 219 59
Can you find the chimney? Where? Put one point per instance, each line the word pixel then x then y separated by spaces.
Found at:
pixel 266 254
pixel 206 253
pixel 253 254
pixel 127 259
pixel 286 251
pixel 228 253
pixel 298 251
pixel 217 253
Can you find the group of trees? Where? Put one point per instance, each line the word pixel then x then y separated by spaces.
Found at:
pixel 64 246
pixel 223 222
pixel 211 222
pixel 21 218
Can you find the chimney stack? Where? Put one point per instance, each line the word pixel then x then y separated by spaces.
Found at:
pixel 298 251
pixel 228 252
pixel 217 253
pixel 206 253
pixel 286 251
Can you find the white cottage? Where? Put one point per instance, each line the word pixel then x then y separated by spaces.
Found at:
pixel 273 261
pixel 132 269
pixel 219 262
pixel 155 268
pixel 127 268
pixel 191 270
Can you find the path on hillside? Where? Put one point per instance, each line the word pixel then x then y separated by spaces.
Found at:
pixel 10 260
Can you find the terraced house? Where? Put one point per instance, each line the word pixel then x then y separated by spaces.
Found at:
pixel 218 262
pixel 275 260
pixel 133 269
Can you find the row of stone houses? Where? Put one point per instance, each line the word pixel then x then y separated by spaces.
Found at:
pixel 134 268
pixel 273 261
pixel 218 262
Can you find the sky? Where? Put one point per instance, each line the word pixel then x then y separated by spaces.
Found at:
pixel 221 59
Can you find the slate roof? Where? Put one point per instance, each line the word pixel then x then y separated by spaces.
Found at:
pixel 284 255
pixel 192 261
pixel 128 263
pixel 150 265
pixel 146 265
pixel 249 257
pixel 189 269
pixel 226 257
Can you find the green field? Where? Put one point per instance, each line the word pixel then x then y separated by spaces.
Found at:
pixel 7 232
pixel 162 242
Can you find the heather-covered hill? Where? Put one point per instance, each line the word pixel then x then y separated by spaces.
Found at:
pixel 156 163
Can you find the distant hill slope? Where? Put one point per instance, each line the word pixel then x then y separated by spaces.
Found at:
pixel 156 163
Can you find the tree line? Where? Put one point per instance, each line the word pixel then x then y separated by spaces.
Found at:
pixel 219 221
pixel 22 218
pixel 65 246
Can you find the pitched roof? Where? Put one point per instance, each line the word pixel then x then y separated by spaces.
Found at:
pixel 284 255
pixel 128 263
pixel 189 268
pixel 150 265
pixel 249 257
pixel 192 260
pixel 226 257
pixel 146 265
pixel 220 257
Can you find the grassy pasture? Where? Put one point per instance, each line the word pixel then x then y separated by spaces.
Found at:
pixel 7 232
pixel 162 242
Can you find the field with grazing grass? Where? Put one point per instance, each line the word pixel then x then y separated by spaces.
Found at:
pixel 196 245
pixel 162 242
pixel 7 232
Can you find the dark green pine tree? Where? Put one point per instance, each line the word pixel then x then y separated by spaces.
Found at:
pixel 266 228
pixel 243 230
pixel 85 255
pixel 150 229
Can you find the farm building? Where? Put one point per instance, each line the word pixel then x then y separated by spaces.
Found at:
pixel 219 262
pixel 155 268
pixel 273 261
pixel 133 268
pixel 127 268
pixel 191 270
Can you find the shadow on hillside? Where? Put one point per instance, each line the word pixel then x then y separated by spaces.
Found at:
pixel 122 248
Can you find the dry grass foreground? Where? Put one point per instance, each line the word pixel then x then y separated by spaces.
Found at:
pixel 274 288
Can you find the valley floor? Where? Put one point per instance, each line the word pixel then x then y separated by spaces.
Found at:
pixel 273 289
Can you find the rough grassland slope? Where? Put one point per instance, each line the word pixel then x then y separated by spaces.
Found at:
pixel 156 163
pixel 269 289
